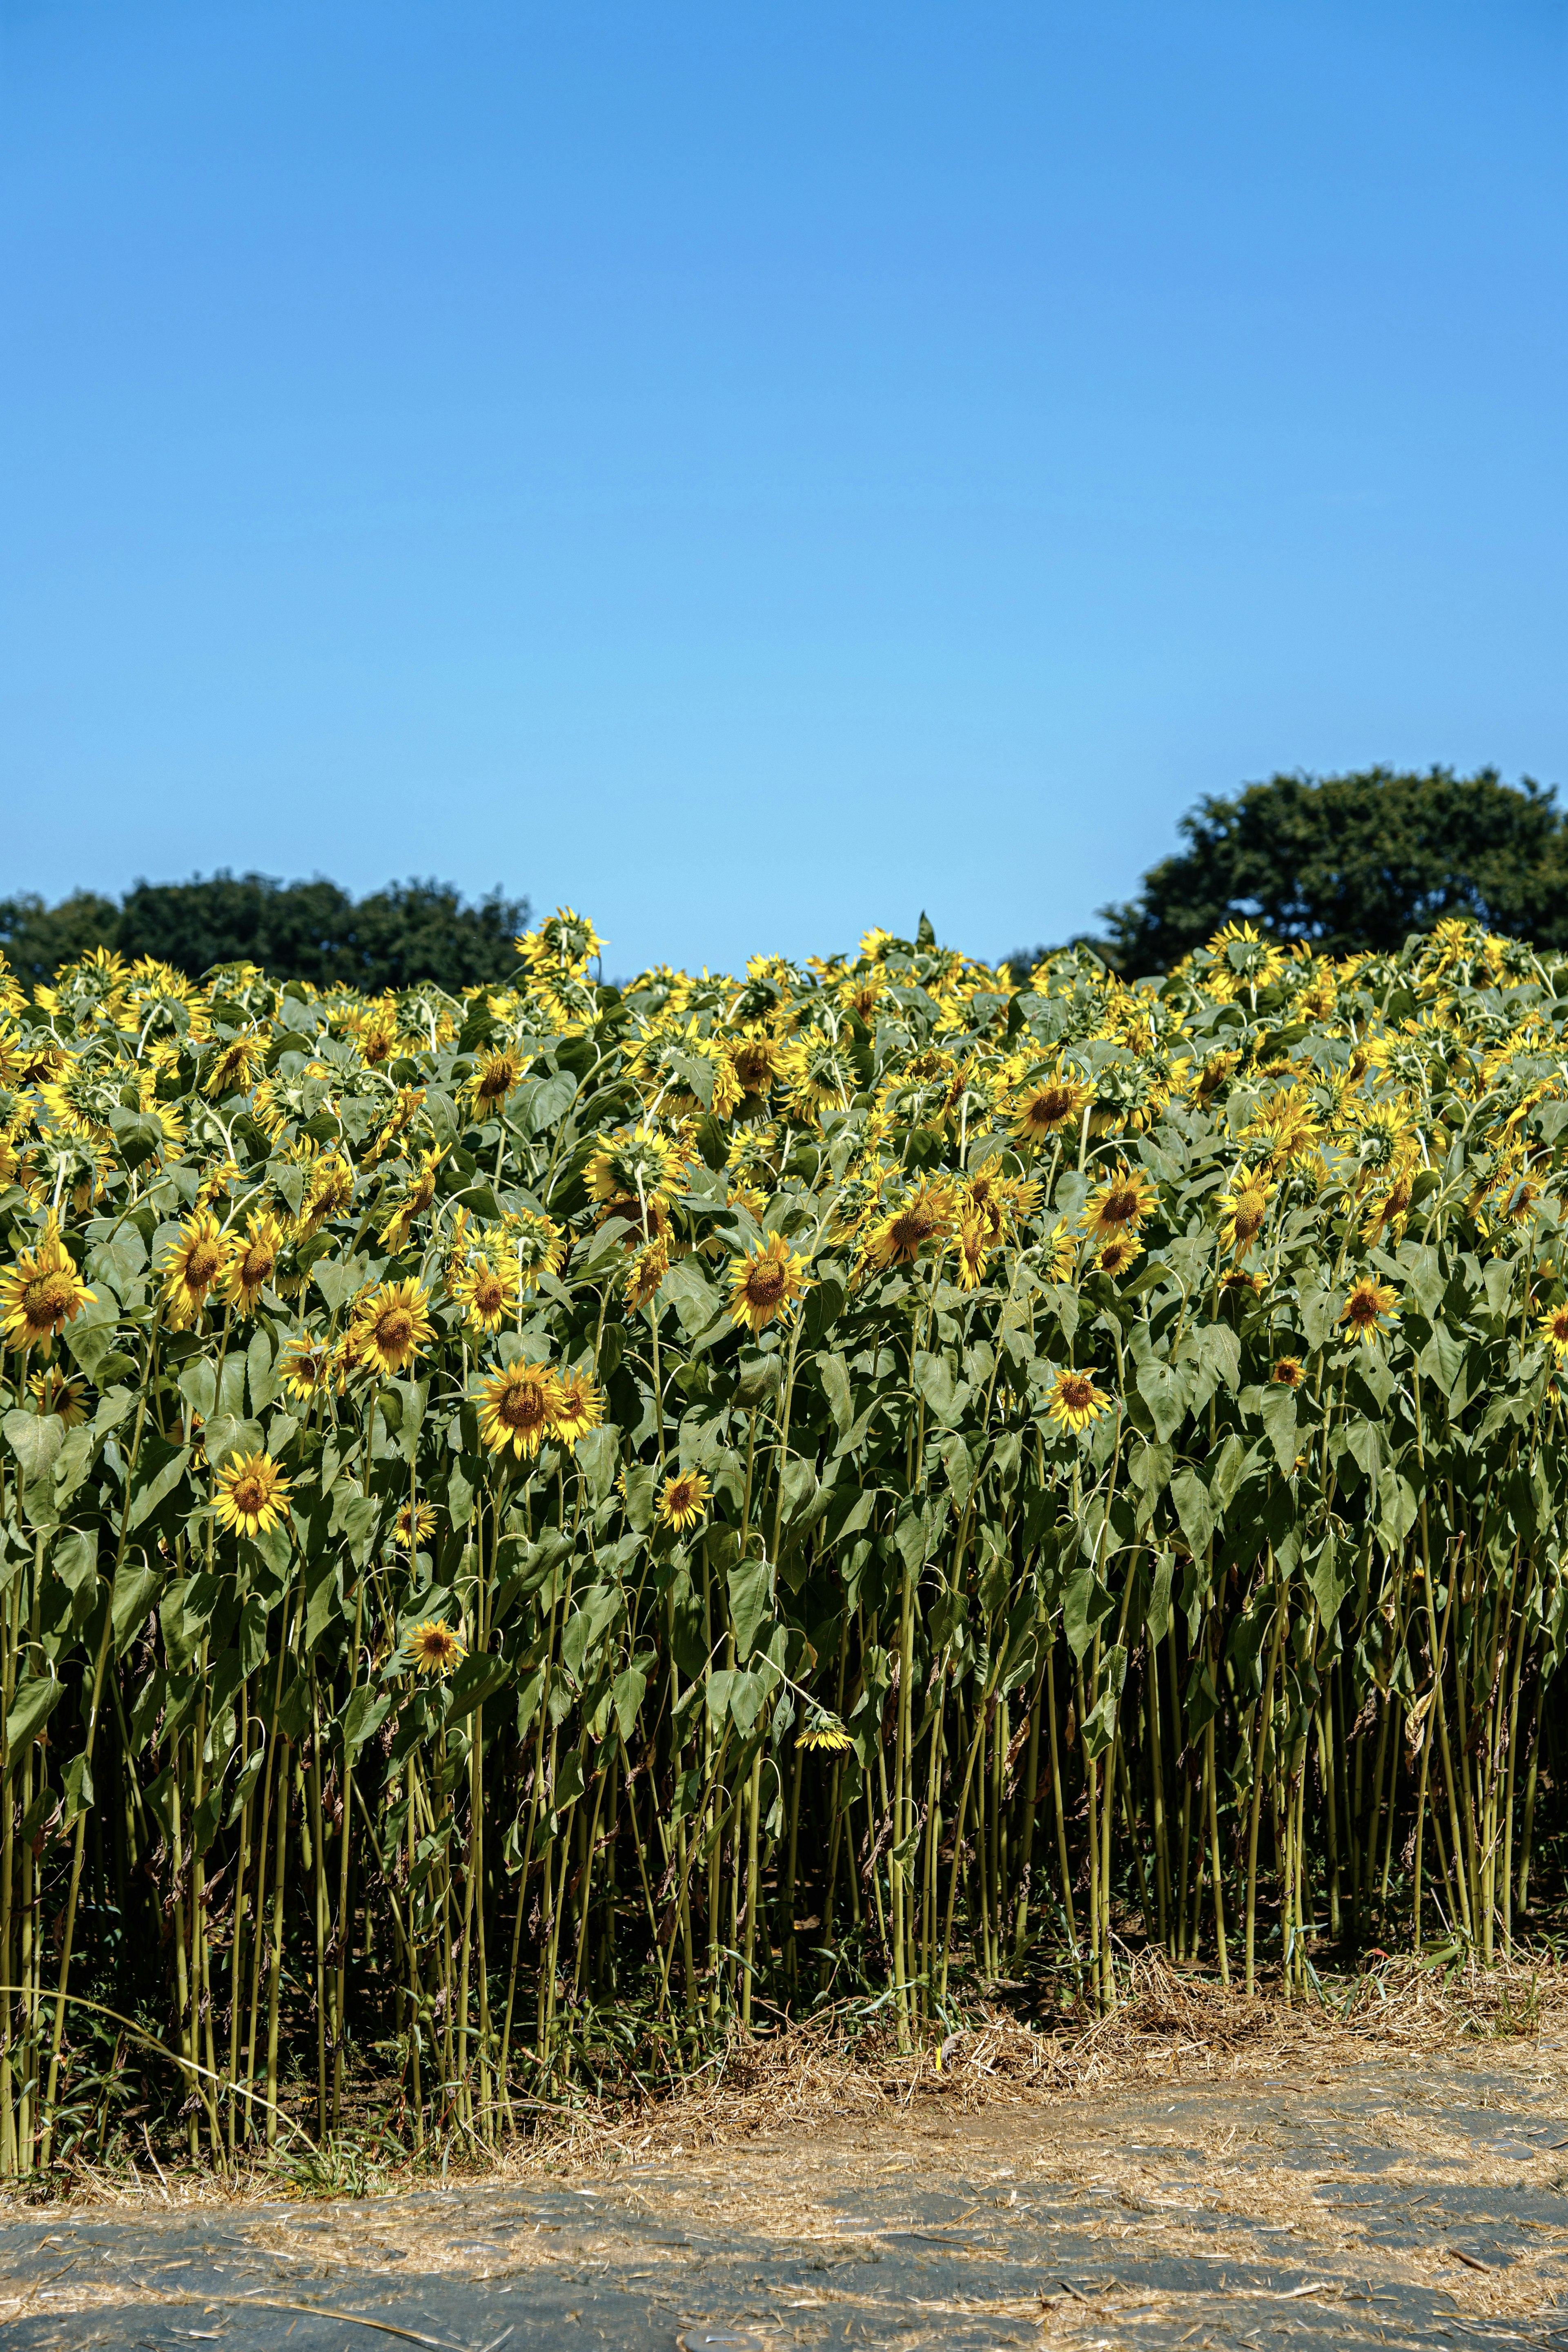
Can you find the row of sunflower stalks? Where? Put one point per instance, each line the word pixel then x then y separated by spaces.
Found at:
pixel 675 1500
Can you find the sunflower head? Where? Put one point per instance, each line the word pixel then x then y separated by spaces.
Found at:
pixel 1119 1205
pixel 769 1281
pixel 308 1368
pixel 1118 1256
pixel 683 1500
pixel 927 1215
pixel 433 1648
pixel 58 1393
pixel 490 1291
pixel 1076 1403
pixel 391 1326
pixel 1368 1308
pixel 1049 1106
pixel 40 1293
pixel 579 1407
pixel 974 1238
pixel 250 1260
pixel 517 1406
pixel 1245 1212
pixel 191 1266
pixel 1289 1372
pixel 252 1495
pixel 1553 1330
pixel 827 1733
pixel 414 1525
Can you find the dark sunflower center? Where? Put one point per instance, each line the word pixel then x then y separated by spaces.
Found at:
pixel 1121 1205
pixel 490 1294
pixel 522 1407
pixel 257 1264
pixel 202 1265
pixel 395 1331
pixel 764 1285
pixel 47 1297
pixel 250 1495
pixel 1077 1391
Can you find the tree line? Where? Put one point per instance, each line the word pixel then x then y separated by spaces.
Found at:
pixel 410 931
pixel 1355 862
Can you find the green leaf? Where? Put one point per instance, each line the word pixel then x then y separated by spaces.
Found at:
pixel 35 1439
pixel 629 1689
pixel 1194 1510
pixel 363 1714
pixel 1277 1405
pixel 163 1467
pixel 35 1700
pixel 750 1584
pixel 1164 1391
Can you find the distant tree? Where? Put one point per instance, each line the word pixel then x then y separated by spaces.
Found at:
pixel 1353 862
pixel 297 930
pixel 36 939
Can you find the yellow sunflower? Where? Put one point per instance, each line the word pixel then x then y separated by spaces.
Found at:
pixel 1369 1305
pixel 825 1732
pixel 235 1064
pixel 414 1525
pixel 391 1326
pixel 518 1407
pixel 190 1268
pixel 1244 1213
pixel 897 1238
pixel 1119 1205
pixel 1076 1403
pixel 40 1292
pixel 249 1261
pixel 252 1494
pixel 57 1393
pixel 488 1292
pixel 492 1079
pixel 1117 1255
pixel 579 1407
pixel 538 1245
pixel 974 1239
pixel 432 1648
pixel 308 1368
pixel 416 1197
pixel 1049 1106
pixel 767 1283
pixel 1553 1330
pixel 683 1500
pixel 330 1190
pixel 1289 1372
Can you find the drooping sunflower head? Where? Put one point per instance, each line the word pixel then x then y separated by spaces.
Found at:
pixel 415 1198
pixel 1120 1205
pixel 433 1648
pixel 821 1078
pixel 927 1215
pixel 1076 1403
pixel 250 1260
pixel 40 1293
pixel 579 1407
pixel 391 1326
pixel 649 1266
pixel 518 1407
pixel 1244 1212
pixel 58 1393
pixel 330 1192
pixel 759 1062
pixel 1371 1305
pixel 539 1248
pixel 974 1238
pixel 767 1283
pixel 235 1064
pixel 1554 1328
pixel 252 1495
pixel 492 1081
pixel 827 1733
pixel 643 1166
pixel 191 1266
pixel 683 1500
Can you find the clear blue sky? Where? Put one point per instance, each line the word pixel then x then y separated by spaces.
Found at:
pixel 756 470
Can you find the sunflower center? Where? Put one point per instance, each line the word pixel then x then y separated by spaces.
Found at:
pixel 490 1294
pixel 202 1265
pixel 395 1331
pixel 522 1406
pixel 1077 1391
pixel 1250 1209
pixel 249 1495
pixel 257 1264
pixel 1050 1105
pixel 752 1066
pixel 47 1297
pixel 1121 1205
pixel 765 1284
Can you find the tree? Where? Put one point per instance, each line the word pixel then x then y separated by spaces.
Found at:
pixel 1353 862
pixel 297 930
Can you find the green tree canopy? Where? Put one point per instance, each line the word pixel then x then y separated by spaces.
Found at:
pixel 296 931
pixel 1353 862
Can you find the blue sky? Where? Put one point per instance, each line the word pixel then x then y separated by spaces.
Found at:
pixel 753 471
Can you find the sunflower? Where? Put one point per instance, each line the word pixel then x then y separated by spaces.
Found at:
pixel 1366 1307
pixel 249 1261
pixel 1119 1205
pixel 1553 1328
pixel 759 1063
pixel 60 1394
pixel 1116 1256
pixel 414 1525
pixel 683 1500
pixel 1289 1372
pixel 1076 1403
pixel 1244 1212
pixel 897 1238
pixel 190 1268
pixel 391 1326
pixel 538 1246
pixel 647 1271
pixel 432 1648
pixel 416 1197
pixel 1047 1106
pixel 488 1293
pixel 252 1494
pixel 40 1292
pixel 642 1168
pixel 308 1368
pixel 821 1078
pixel 825 1732
pixel 973 1240
pixel 330 1190
pixel 235 1064
pixel 518 1408
pixel 1061 1254
pixel 766 1284
pixel 492 1079
pixel 579 1410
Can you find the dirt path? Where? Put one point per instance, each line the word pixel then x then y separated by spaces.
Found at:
pixel 1386 2201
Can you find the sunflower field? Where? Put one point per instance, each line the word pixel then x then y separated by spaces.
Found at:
pixel 574 1512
